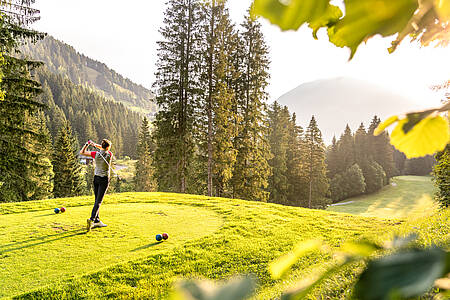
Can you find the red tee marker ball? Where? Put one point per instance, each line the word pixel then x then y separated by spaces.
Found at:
pixel 63 209
pixel 165 236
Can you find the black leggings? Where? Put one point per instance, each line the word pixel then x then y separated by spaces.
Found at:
pixel 100 187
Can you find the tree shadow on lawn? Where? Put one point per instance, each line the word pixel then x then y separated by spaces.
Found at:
pixel 44 240
pixel 146 246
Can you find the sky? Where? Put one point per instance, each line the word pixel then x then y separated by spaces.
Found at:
pixel 123 35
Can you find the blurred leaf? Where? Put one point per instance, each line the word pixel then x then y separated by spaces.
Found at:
pixel 364 19
pixel 443 9
pixel 235 289
pixel 363 248
pixel 292 14
pixel 304 288
pixel 400 242
pixel 408 274
pixel 425 138
pixel 282 265
pixel 380 129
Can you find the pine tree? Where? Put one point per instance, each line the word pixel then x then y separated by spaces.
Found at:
pixel 42 147
pixel 381 150
pixel 278 140
pixel 177 95
pixel 315 166
pixel 20 163
pixel 219 44
pixel 295 156
pixel 346 150
pixel 333 159
pixel 251 172
pixel 68 180
pixel 144 181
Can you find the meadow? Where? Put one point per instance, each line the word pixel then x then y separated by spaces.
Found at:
pixel 49 256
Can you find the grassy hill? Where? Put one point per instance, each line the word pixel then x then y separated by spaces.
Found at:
pixel 49 256
pixel 406 196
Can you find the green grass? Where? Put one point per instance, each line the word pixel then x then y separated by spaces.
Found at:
pixel 412 196
pixel 47 256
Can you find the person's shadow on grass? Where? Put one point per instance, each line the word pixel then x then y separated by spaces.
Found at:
pixel 40 240
pixel 146 246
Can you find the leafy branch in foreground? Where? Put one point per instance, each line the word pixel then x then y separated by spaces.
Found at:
pixel 427 21
pixel 419 133
pixel 402 272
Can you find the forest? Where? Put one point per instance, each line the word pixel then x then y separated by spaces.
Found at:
pixel 214 133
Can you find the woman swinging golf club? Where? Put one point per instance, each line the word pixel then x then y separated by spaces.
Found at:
pixel 102 160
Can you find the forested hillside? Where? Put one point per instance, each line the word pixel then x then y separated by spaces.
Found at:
pixel 90 115
pixel 63 59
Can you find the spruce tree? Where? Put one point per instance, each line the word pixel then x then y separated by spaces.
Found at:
pixel 68 179
pixel 315 166
pixel 381 150
pixel 346 152
pixel 278 140
pixel 216 107
pixel 252 170
pixel 295 156
pixel 24 170
pixel 177 96
pixel 333 159
pixel 144 181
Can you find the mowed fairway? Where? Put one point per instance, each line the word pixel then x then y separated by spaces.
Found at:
pixel 42 247
pixel 407 196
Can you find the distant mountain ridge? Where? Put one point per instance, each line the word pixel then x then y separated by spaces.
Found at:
pixel 337 102
pixel 62 59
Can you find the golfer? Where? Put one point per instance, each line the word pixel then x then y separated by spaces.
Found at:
pixel 102 160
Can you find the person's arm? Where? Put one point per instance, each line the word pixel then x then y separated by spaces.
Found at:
pixel 95 145
pixel 84 150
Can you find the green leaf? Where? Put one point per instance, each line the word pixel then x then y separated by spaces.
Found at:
pixel 443 9
pixel 427 136
pixel 306 287
pixel 363 248
pixel 380 129
pixel 407 274
pixel 294 13
pixel 400 242
pixel 282 265
pixel 364 19
pixel 235 289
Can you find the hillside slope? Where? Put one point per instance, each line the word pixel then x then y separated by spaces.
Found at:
pixel 406 196
pixel 208 237
pixel 63 59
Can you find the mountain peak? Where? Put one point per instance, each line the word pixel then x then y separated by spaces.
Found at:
pixel 339 101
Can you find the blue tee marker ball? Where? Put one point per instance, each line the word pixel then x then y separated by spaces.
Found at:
pixel 159 237
pixel 56 210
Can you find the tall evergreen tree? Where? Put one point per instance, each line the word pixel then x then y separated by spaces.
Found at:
pixel 220 40
pixel 295 156
pixel 332 158
pixel 346 152
pixel 278 140
pixel 177 95
pixel 251 173
pixel 23 168
pixel 69 179
pixel 381 150
pixel 315 166
pixel 144 180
